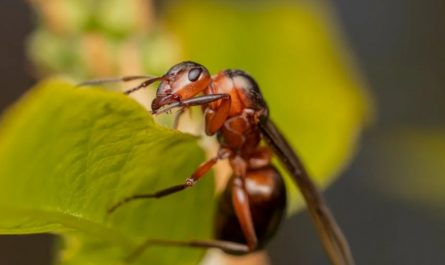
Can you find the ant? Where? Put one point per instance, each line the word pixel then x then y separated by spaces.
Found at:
pixel 253 203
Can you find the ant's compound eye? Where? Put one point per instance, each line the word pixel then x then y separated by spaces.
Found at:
pixel 194 74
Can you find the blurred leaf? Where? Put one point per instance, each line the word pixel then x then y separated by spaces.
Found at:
pixel 291 50
pixel 67 154
pixel 411 166
pixel 123 18
pixel 74 17
pixel 51 53
pixel 86 39
pixel 62 17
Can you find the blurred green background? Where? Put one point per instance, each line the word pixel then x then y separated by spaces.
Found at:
pixel 389 200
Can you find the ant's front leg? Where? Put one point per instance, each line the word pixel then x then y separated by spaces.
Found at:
pixel 197 175
pixel 178 117
pixel 195 101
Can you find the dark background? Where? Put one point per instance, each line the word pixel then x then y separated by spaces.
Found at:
pixel 16 23
pixel 399 46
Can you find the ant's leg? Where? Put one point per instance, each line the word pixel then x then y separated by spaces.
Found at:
pixel 204 168
pixel 228 246
pixel 195 101
pixel 215 118
pixel 241 205
pixel 155 195
pixel 114 80
pixel 177 117
pixel 200 172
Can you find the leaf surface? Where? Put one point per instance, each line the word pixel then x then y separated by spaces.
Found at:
pixel 67 154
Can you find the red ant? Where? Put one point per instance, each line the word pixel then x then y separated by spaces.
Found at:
pixel 254 201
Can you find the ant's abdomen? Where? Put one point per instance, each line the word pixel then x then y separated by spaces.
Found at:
pixel 267 199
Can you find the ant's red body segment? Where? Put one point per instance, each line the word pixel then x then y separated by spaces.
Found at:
pixel 254 201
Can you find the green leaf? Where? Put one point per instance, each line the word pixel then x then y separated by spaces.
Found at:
pixel 291 50
pixel 67 154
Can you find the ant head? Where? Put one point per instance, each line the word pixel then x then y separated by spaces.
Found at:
pixel 183 81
